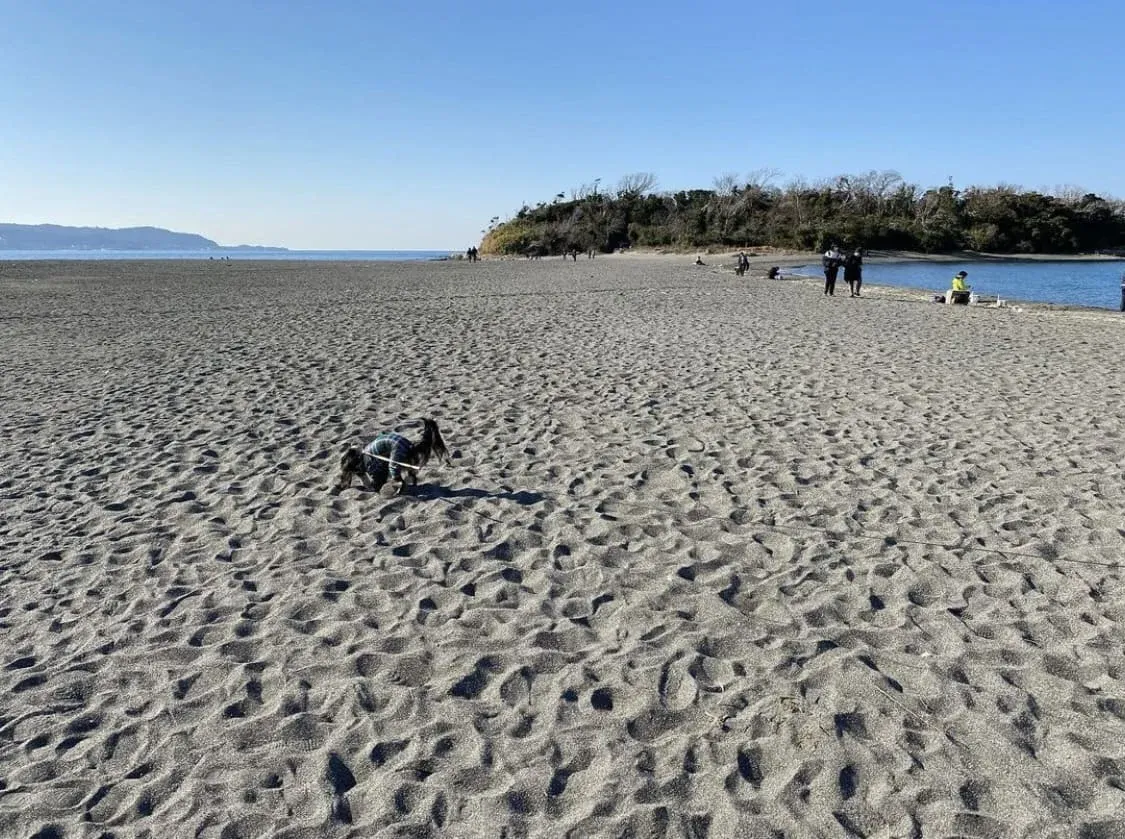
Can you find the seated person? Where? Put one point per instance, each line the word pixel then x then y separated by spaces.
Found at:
pixel 959 291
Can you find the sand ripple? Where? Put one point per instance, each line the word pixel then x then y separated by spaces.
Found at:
pixel 715 557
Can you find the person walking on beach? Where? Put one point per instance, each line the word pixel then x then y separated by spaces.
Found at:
pixel 831 261
pixel 853 271
pixel 1123 292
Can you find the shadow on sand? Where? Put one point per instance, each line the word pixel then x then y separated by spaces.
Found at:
pixel 431 492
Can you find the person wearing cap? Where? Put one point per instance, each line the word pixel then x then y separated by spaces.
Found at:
pixel 959 291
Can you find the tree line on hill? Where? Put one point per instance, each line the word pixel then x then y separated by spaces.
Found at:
pixel 873 210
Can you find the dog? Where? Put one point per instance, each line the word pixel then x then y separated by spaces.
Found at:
pixel 392 455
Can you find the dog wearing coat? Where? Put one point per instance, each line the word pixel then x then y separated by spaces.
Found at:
pixel 392 455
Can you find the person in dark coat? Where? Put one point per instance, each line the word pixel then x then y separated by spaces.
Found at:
pixel 832 260
pixel 853 271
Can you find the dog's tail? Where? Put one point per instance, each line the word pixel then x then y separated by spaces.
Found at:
pixel 431 444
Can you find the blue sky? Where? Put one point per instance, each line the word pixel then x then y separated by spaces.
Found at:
pixel 410 124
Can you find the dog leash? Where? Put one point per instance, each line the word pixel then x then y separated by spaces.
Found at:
pixel 393 462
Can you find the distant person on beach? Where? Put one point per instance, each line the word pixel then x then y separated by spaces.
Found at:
pixel 959 289
pixel 699 261
pixel 832 260
pixel 743 264
pixel 1123 292
pixel 853 271
pixel 774 273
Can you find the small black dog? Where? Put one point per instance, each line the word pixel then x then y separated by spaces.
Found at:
pixel 391 455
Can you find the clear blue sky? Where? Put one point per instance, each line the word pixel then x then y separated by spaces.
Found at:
pixel 410 124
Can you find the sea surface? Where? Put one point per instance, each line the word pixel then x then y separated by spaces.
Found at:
pixel 318 256
pixel 1071 283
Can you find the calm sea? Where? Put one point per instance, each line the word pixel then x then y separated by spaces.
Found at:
pixel 332 256
pixel 1072 283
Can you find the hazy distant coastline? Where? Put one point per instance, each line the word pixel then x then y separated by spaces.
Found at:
pixel 55 237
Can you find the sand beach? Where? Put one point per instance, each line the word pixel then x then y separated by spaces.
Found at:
pixel 715 557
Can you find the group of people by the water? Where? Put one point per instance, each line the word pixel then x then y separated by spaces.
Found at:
pixel 743 265
pixel 572 252
pixel 472 254
pixel 852 264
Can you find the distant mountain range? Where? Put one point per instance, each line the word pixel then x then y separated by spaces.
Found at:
pixel 54 237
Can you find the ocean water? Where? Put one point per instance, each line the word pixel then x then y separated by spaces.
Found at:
pixel 1071 283
pixel 307 256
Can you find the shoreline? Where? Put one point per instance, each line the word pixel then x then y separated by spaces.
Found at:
pixel 1016 304
pixel 874 256
pixel 791 259
pixel 779 256
pixel 975 256
pixel 782 259
pixel 925 295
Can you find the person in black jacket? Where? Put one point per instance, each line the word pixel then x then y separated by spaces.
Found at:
pixel 853 271
pixel 831 262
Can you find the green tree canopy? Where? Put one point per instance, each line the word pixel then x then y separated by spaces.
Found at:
pixel 872 210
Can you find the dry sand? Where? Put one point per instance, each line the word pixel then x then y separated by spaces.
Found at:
pixel 716 557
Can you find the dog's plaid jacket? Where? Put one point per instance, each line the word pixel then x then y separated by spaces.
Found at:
pixel 391 446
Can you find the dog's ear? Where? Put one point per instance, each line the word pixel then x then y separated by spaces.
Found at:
pixel 351 460
pixel 351 464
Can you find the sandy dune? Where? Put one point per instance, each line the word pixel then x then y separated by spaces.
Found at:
pixel 716 557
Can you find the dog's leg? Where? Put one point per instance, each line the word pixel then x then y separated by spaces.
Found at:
pixel 405 481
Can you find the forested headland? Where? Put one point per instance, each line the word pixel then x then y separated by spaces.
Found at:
pixel 873 210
